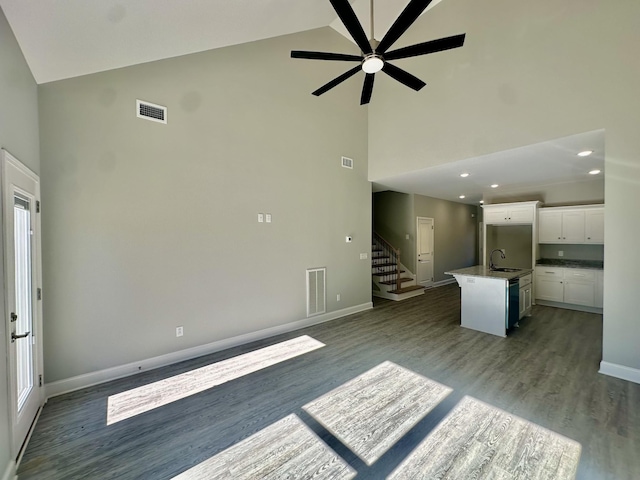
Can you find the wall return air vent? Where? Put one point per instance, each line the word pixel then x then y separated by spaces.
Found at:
pixel 347 162
pixel 150 111
pixel 316 291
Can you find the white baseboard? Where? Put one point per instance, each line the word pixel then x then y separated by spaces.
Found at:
pixel 10 471
pixel 620 371
pixel 88 379
pixel 442 283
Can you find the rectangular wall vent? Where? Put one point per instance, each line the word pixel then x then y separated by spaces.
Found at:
pixel 347 162
pixel 150 111
pixel 316 291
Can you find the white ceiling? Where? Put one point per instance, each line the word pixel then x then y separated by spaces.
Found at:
pixel 550 163
pixel 67 38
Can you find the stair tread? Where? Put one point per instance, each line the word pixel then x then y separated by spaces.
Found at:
pixel 411 288
pixel 376 265
pixel 393 282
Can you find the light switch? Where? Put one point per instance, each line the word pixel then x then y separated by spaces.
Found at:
pixel 406 236
pixel 260 217
pixel 560 253
pixel 363 256
pixel 267 217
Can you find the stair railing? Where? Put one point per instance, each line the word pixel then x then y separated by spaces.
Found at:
pixel 393 255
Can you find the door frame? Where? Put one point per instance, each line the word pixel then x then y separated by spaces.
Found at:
pixel 5 159
pixel 433 250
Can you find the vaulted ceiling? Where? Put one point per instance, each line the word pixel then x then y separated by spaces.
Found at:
pixel 67 38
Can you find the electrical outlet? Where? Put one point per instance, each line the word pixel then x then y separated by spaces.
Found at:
pixel 406 236
pixel 179 331
pixel 560 253
pixel 338 297
pixel 363 256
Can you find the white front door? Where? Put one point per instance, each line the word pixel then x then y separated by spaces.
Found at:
pixel 425 251
pixel 21 194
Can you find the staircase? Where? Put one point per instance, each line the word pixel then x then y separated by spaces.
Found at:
pixel 390 278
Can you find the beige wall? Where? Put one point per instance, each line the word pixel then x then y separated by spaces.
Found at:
pixel 529 72
pixel 152 226
pixel 18 135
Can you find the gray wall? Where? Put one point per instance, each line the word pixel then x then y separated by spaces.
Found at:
pixel 529 72
pixel 456 233
pixel 393 219
pixel 516 240
pixel 18 135
pixel 152 226
pixel 572 252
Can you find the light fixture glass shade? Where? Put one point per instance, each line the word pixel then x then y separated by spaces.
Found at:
pixel 372 64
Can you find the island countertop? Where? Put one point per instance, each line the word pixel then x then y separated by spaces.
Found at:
pixel 484 271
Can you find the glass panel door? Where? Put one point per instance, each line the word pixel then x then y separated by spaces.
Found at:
pixel 24 295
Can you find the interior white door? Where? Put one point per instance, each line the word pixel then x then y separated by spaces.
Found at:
pixel 424 240
pixel 21 194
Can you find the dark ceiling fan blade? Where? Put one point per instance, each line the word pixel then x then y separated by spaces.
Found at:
pixel 427 47
pixel 367 88
pixel 352 24
pixel 402 23
pixel 403 76
pixel 337 81
pixel 325 56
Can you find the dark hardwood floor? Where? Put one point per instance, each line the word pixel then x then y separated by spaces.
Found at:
pixel 544 372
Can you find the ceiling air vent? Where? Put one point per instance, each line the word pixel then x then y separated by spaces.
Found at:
pixel 347 162
pixel 150 111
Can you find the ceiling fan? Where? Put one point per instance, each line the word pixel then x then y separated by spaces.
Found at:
pixel 374 54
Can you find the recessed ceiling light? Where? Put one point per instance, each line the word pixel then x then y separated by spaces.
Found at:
pixel 495 185
pixel 464 175
pixel 585 153
pixel 594 172
pixel 461 196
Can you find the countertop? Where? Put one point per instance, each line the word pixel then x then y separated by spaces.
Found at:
pixel 483 271
pixel 560 262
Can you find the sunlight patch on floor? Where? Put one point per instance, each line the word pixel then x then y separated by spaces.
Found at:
pixel 370 413
pixel 147 397
pixel 285 449
pixel 477 440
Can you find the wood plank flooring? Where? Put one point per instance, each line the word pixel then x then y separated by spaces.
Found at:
pixel 477 440
pixel 545 373
pixel 286 449
pixel 376 409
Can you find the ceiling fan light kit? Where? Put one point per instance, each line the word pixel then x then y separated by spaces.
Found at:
pixel 374 56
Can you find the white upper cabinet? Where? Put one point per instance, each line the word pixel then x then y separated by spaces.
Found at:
pixel 594 225
pixel 571 225
pixel 549 226
pixel 523 213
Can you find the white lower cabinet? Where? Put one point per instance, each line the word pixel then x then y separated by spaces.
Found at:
pixel 525 296
pixel 569 285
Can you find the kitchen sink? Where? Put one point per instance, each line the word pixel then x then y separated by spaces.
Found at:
pixel 505 269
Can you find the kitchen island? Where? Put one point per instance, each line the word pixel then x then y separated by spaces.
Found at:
pixel 489 298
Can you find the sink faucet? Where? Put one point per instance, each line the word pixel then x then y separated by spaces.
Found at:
pixel 502 255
